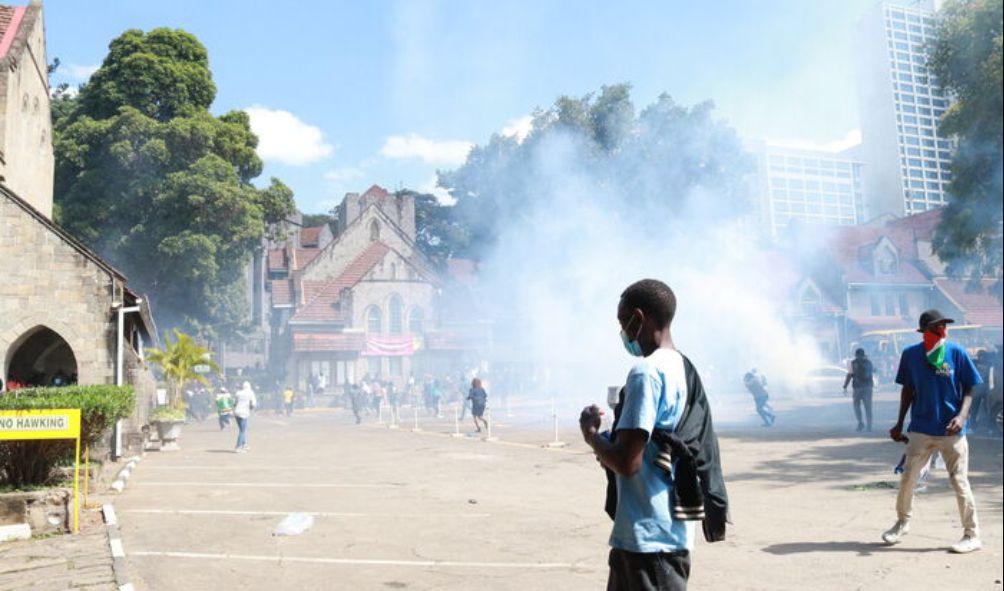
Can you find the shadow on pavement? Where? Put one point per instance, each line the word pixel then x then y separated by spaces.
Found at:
pixel 860 548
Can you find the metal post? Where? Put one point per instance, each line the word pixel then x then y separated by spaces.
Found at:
pixel 416 428
pixel 556 442
pixel 456 421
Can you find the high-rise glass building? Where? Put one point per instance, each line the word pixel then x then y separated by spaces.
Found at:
pixel 908 163
pixel 812 186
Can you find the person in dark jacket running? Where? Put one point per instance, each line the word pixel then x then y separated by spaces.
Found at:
pixel 756 383
pixel 479 399
pixel 860 379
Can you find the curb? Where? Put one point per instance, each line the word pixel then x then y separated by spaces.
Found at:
pixel 123 476
pixel 115 546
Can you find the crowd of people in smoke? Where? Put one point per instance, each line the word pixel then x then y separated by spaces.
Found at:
pixel 369 398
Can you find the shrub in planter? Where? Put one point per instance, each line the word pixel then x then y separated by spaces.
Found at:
pixel 31 463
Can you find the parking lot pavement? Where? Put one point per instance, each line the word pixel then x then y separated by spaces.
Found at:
pixel 392 509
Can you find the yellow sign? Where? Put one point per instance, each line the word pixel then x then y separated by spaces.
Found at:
pixel 60 423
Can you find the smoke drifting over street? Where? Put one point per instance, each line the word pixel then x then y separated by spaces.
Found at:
pixel 560 262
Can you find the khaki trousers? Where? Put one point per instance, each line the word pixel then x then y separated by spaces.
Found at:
pixel 955 451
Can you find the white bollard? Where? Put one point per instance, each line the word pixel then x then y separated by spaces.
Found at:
pixel 456 422
pixel 380 413
pixel 557 442
pixel 490 437
pixel 416 428
pixel 394 418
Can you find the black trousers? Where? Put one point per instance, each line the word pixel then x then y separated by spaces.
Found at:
pixel 863 398
pixel 657 571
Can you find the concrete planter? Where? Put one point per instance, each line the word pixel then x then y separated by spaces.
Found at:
pixel 44 512
pixel 168 432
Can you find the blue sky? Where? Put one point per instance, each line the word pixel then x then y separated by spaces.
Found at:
pixel 347 94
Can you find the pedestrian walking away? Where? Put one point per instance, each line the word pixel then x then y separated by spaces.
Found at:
pixel 756 383
pixel 937 378
pixel 479 399
pixel 224 407
pixel 650 544
pixel 244 403
pixel 860 377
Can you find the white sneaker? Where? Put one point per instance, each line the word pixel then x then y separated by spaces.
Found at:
pixel 967 544
pixel 894 534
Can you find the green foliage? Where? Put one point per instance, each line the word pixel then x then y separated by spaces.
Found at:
pixel 166 413
pixel 148 177
pixel 439 235
pixel 30 463
pixel 659 159
pixel 967 61
pixel 177 361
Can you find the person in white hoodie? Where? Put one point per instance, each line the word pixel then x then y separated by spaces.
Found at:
pixel 244 403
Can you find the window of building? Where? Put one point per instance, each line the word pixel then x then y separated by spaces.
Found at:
pixel 904 305
pixel 876 305
pixel 395 311
pixel 890 305
pixel 374 231
pixel 416 322
pixel 374 320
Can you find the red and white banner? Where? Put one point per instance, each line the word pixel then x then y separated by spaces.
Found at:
pixel 389 346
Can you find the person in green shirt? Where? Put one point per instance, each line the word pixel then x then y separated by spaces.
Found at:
pixel 224 407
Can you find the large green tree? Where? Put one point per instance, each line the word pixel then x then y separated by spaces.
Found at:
pixel 663 159
pixel 967 61
pixel 148 177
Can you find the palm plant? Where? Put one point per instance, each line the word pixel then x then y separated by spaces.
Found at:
pixel 177 361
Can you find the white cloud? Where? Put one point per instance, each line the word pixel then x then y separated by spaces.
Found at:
pixel 81 72
pixel 519 128
pixel 851 139
pixel 430 186
pixel 284 138
pixel 438 152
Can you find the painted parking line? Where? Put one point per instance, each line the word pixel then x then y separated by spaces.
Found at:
pixel 370 561
pixel 394 515
pixel 270 484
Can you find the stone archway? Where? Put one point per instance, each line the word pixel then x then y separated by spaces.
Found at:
pixel 40 357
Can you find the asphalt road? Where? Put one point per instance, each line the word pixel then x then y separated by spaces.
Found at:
pixel 395 509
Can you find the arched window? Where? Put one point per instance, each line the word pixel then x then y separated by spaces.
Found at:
pixel 374 320
pixel 396 312
pixel 393 270
pixel 374 231
pixel 40 357
pixel 416 322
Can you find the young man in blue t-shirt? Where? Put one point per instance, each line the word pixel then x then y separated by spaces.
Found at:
pixel 937 377
pixel 649 550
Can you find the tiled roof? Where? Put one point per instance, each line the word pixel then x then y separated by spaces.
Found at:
pixel 277 259
pixel 320 297
pixel 376 191
pixel 922 224
pixel 980 306
pixel 282 293
pixel 310 236
pixel 303 256
pixel 10 20
pixel 328 341
pixel 851 247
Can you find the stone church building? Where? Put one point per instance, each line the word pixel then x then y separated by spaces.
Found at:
pixel 59 301
pixel 356 299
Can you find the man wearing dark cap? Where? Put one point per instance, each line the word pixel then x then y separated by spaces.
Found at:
pixel 937 377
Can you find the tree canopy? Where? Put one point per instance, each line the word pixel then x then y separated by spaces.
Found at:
pixel 664 158
pixel 967 61
pixel 149 178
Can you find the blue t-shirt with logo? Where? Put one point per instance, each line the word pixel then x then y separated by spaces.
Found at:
pixel 937 394
pixel 654 397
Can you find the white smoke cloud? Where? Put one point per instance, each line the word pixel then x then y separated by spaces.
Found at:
pixel 436 152
pixel 284 138
pixel 518 128
pixel 851 139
